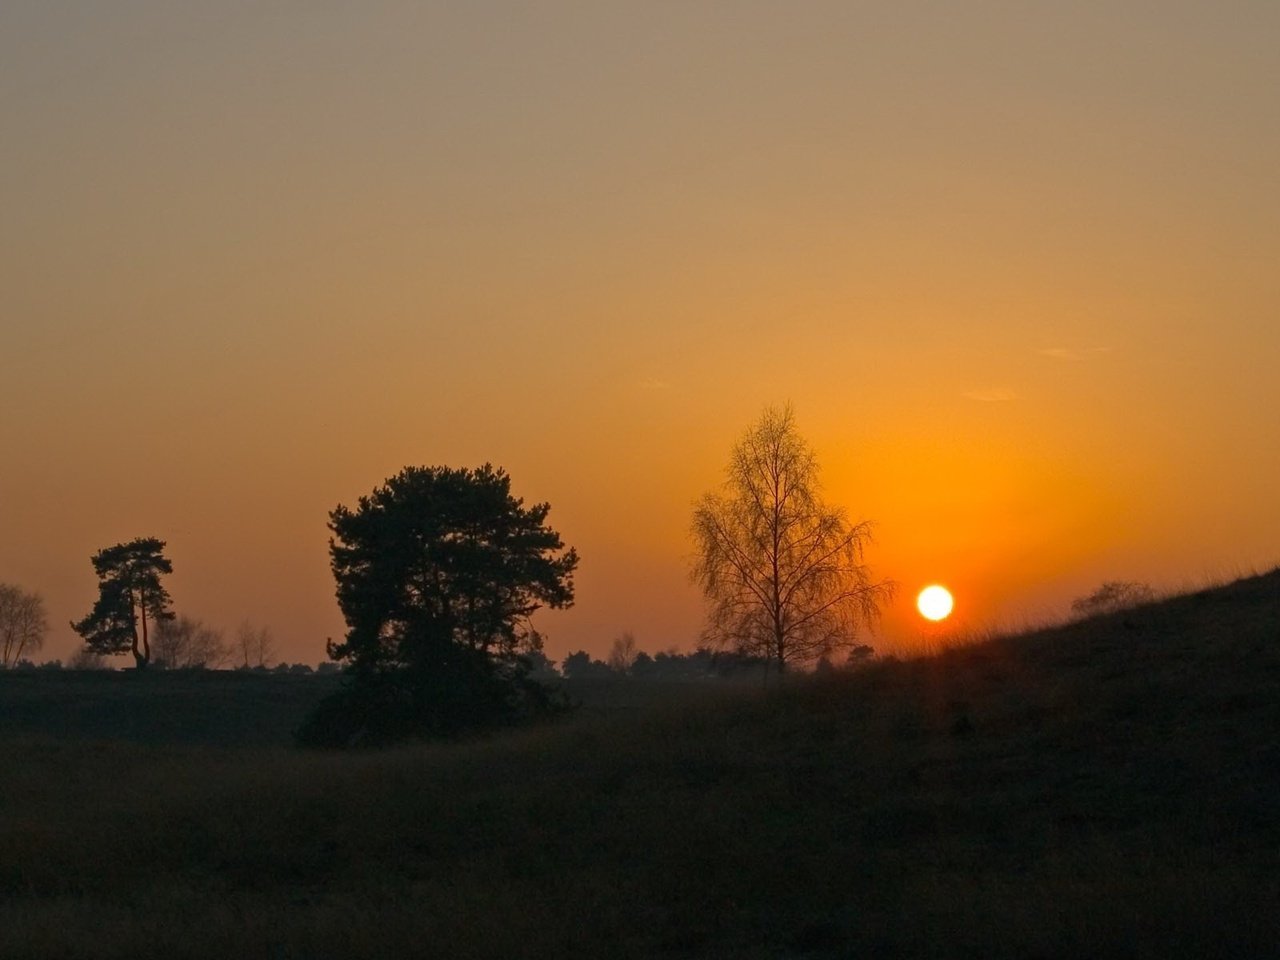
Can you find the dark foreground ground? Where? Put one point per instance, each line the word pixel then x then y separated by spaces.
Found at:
pixel 1105 789
pixel 223 708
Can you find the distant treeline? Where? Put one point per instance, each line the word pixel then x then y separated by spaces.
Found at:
pixel 704 663
pixel 79 662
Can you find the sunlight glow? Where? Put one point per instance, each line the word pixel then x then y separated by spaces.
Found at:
pixel 935 603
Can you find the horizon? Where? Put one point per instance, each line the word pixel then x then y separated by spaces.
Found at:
pixel 1015 274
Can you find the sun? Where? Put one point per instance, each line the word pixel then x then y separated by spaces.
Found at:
pixel 935 603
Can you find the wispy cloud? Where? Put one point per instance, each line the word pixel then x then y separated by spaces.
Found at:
pixel 993 395
pixel 1072 353
pixel 655 383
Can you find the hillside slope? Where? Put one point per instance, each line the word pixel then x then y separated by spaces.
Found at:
pixel 1106 788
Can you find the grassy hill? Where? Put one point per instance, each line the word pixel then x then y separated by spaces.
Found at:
pixel 1109 788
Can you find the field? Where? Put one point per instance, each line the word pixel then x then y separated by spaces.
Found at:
pixel 1104 789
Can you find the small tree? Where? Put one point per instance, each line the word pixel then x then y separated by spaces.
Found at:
pixel 22 624
pixel 438 573
pixel 130 596
pixel 782 570
pixel 623 653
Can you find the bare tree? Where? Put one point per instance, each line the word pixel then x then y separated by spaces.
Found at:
pixel 187 644
pixel 782 570
pixel 254 645
pixel 622 656
pixel 22 624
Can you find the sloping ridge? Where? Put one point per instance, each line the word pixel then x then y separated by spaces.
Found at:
pixel 1105 787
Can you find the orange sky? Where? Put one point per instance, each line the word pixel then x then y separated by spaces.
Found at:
pixel 1013 264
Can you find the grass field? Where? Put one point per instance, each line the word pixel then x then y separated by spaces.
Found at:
pixel 1109 788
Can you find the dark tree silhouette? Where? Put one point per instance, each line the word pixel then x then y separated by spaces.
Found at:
pixel 129 596
pixel 438 573
pixel 642 666
pixel 541 667
pixel 782 570
pixel 580 666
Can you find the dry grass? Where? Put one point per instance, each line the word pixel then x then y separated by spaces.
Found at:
pixel 1105 788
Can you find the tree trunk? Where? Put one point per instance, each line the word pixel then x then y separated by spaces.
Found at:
pixel 141 655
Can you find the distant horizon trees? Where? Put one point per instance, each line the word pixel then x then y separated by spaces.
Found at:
pixel 184 643
pixel 438 572
pixel 23 624
pixel 701 663
pixel 255 646
pixel 131 599
pixel 782 571
pixel 85 660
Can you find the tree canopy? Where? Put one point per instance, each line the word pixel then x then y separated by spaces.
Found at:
pixel 130 597
pixel 438 573
pixel 783 572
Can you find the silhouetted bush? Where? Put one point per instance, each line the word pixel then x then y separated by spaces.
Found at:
pixel 579 666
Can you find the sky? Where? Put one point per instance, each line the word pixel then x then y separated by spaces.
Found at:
pixel 1012 264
